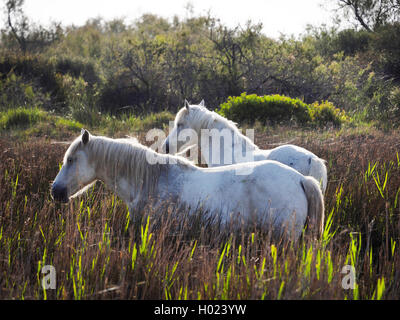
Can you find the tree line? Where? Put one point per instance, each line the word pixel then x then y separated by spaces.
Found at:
pixel 154 63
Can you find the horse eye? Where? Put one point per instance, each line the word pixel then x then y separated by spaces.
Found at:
pixel 69 160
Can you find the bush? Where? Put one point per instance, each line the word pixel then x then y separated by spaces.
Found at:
pixel 323 113
pixel 352 41
pixel 81 99
pixel 77 68
pixel 35 71
pixel 386 50
pixel 275 108
pixel 16 91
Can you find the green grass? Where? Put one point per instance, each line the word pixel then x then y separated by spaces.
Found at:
pixel 21 117
pixel 24 122
pixel 125 124
pixel 67 124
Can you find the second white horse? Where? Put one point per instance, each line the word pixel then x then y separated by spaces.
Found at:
pixel 191 120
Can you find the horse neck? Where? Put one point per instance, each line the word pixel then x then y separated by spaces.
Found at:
pixel 239 137
pixel 115 166
pixel 239 141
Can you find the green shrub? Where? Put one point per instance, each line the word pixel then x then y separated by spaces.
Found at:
pixel 77 68
pixel 351 41
pixel 15 91
pixel 37 71
pixel 66 124
pixel 277 109
pixel 395 102
pixel 21 117
pixel 323 113
pixel 81 99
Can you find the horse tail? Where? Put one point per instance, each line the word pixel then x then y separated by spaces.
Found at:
pixel 315 200
pixel 319 171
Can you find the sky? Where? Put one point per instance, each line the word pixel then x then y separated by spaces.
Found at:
pixel 277 16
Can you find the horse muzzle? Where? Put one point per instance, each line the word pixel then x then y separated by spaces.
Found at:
pixel 59 194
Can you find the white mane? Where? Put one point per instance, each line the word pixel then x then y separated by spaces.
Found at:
pixel 202 118
pixel 125 158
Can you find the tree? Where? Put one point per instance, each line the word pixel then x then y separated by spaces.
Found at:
pixel 26 35
pixel 234 48
pixel 371 14
pixel 17 22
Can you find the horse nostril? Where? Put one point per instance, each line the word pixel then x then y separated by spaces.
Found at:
pixel 59 194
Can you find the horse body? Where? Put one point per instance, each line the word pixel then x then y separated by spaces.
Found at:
pixel 230 149
pixel 298 158
pixel 272 191
pixel 266 193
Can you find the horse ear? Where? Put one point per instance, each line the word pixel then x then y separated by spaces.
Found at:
pixel 202 103
pixel 187 105
pixel 85 136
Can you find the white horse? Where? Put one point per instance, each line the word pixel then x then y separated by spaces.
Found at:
pixel 192 120
pixel 272 191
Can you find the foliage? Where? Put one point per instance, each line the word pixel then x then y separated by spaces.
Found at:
pixel 351 41
pixel 323 113
pixel 16 92
pixel 20 71
pixel 153 64
pixel 371 14
pixel 277 109
pixel 81 99
pixel 386 46
pixel 22 34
